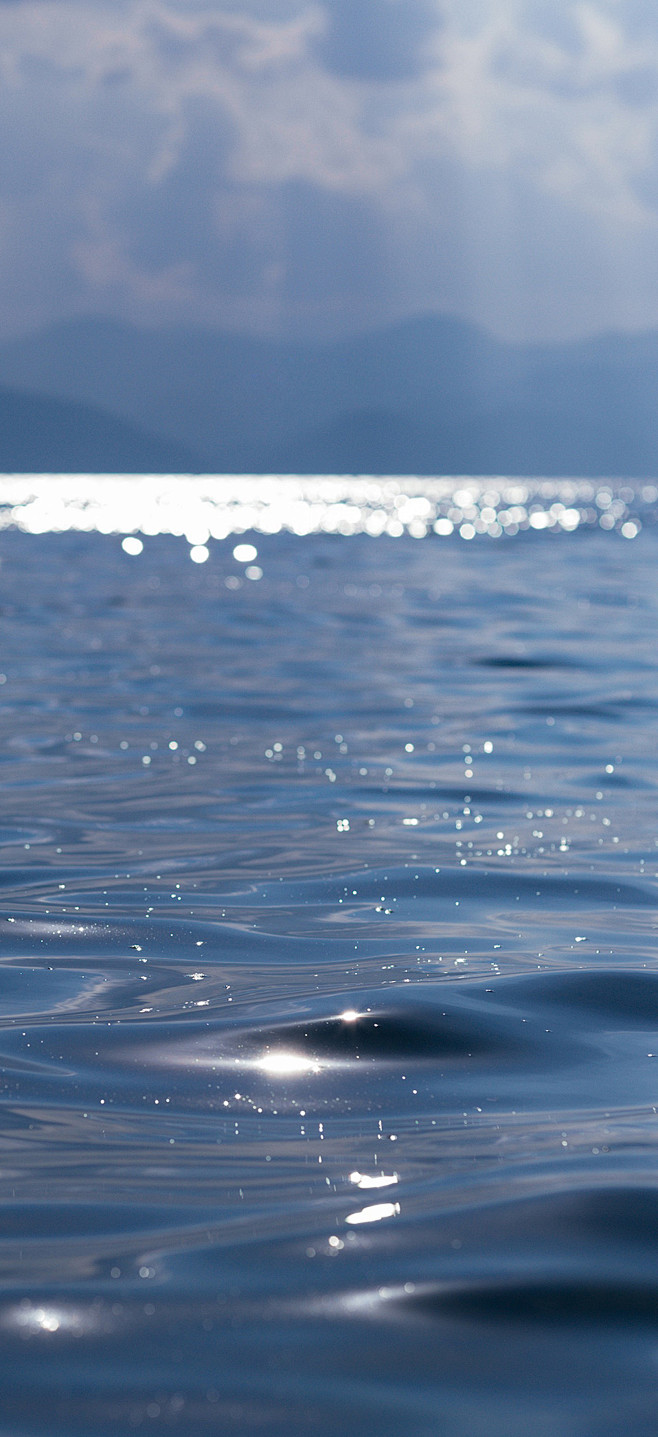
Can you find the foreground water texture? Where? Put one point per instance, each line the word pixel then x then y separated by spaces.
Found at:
pixel 329 984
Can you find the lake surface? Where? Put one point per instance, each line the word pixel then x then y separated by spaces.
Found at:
pixel 328 964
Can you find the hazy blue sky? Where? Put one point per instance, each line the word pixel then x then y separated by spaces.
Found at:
pixel 316 166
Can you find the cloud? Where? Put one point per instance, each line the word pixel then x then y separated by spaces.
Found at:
pixel 331 165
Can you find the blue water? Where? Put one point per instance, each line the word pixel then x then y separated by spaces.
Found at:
pixel 329 986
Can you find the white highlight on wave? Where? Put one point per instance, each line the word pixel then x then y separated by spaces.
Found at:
pixel 379 1180
pixel 203 507
pixel 375 1212
pixel 283 1064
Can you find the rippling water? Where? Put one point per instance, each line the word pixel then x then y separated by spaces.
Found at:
pixel 328 983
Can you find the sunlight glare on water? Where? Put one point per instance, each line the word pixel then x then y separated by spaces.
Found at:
pixel 328 974
pixel 217 506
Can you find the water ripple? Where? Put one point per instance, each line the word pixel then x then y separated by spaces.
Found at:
pixel 328 977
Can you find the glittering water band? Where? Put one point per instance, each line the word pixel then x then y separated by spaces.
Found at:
pixel 215 506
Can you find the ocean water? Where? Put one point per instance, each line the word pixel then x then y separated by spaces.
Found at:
pixel 328 958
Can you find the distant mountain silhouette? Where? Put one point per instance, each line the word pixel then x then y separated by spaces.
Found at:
pixel 430 395
pixel 508 442
pixel 39 434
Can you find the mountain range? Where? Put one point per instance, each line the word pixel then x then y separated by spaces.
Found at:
pixel 429 395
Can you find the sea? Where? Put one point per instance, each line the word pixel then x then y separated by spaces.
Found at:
pixel 328 956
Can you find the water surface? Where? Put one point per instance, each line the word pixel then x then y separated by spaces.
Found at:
pixel 328 980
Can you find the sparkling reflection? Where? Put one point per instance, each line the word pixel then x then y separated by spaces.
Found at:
pixel 29 1319
pixel 281 1063
pixel 202 508
pixel 375 1212
pixel 380 1180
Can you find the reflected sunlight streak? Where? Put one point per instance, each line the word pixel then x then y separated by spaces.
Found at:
pixel 375 1212
pixel 204 507
pixel 282 1063
pixel 381 1180
pixel 31 1319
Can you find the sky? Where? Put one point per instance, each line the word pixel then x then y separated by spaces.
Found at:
pixel 312 168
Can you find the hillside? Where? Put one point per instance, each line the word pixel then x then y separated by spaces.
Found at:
pixel 430 395
pixel 39 434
